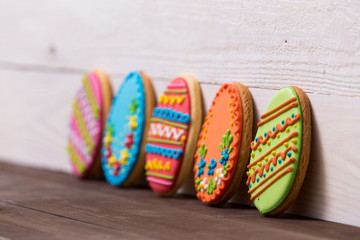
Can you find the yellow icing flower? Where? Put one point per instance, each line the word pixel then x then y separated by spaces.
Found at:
pixel 167 166
pixel 133 122
pixel 203 185
pixel 124 156
pixel 219 174
pixel 107 139
pixel 112 160
pixel 148 165
pixel 160 165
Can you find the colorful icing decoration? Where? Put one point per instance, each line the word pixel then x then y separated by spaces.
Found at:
pixel 86 123
pixel 276 151
pixel 124 130
pixel 218 147
pixel 168 137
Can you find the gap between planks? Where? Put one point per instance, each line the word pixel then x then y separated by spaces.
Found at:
pixel 38 68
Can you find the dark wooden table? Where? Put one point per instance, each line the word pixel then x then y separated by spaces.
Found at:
pixel 38 204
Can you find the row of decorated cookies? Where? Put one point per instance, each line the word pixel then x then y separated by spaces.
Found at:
pixel 133 137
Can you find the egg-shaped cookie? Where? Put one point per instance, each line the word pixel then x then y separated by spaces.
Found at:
pixel 123 155
pixel 171 139
pixel 90 108
pixel 223 145
pixel 280 152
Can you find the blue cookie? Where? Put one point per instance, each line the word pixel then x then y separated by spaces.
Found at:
pixel 123 155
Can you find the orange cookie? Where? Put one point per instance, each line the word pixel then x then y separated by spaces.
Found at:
pixel 223 145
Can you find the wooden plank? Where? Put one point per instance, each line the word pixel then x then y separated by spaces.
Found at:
pixel 92 209
pixel 20 222
pixel 313 45
pixel 35 132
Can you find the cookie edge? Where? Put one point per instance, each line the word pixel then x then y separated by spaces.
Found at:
pixel 107 95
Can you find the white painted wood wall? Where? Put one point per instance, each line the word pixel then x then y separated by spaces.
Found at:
pixel 46 46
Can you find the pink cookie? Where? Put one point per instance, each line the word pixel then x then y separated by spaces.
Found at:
pixel 90 108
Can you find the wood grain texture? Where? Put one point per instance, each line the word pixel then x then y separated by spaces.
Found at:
pixel 311 44
pixel 45 47
pixel 44 205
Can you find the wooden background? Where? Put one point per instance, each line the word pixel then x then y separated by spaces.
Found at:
pixel 46 46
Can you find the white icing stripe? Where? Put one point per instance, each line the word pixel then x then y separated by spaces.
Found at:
pixel 156 129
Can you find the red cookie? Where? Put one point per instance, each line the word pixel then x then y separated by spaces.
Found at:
pixel 174 128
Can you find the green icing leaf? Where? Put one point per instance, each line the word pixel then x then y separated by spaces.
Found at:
pixel 133 106
pixel 110 129
pixel 221 146
pixel 197 181
pixel 202 150
pixel 226 167
pixel 226 140
pixel 211 186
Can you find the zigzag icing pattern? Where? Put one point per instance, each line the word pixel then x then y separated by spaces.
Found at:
pixel 171 99
pixel 273 160
pixel 165 131
pixel 291 160
pixel 272 134
pixel 87 113
pixel 293 134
